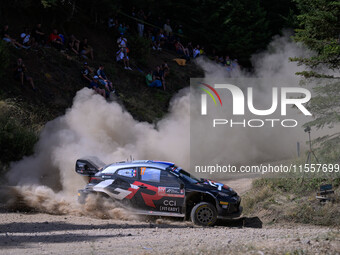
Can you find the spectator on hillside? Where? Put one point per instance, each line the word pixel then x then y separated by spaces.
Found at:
pixel 162 70
pixel 160 38
pixel 62 38
pixel 167 28
pixel 115 27
pixel 156 45
pixel 166 69
pixel 227 64
pixel 133 22
pixel 202 52
pixel 121 54
pixel 196 52
pixel 140 26
pixel 149 20
pixel 26 38
pixel 151 82
pixel 170 41
pixel 227 61
pixel 221 60
pixel 180 30
pixel 123 28
pixel 186 53
pixel 111 22
pixel 20 73
pixel 73 44
pixel 179 48
pixel 158 24
pixel 190 49
pixel 85 49
pixel 103 78
pixel 37 36
pixel 235 65
pixel 122 41
pixel 149 35
pixel 96 86
pixel 158 75
pixel 133 12
pixel 7 38
pixel 55 40
pixel 86 73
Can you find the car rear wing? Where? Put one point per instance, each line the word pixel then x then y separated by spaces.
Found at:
pixel 89 166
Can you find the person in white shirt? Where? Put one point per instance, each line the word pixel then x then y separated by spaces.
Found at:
pixel 121 41
pixel 167 28
pixel 121 54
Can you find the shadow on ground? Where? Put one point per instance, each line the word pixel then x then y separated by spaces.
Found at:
pixel 18 241
pixel 11 234
pixel 244 222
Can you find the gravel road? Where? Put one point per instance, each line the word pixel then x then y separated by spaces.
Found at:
pixel 39 233
pixel 22 233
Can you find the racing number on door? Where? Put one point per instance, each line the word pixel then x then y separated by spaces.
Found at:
pixel 142 170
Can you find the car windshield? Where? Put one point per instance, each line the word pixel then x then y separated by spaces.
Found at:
pixel 188 177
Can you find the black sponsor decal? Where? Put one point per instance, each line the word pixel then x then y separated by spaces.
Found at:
pixel 176 191
pixel 169 209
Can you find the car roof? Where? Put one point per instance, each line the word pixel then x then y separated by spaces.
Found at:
pixel 112 168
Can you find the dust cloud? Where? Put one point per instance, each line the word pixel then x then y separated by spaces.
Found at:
pixel 246 145
pixel 94 127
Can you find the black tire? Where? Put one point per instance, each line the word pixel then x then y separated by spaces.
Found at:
pixel 204 214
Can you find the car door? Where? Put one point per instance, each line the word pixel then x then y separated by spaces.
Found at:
pixel 159 191
pixel 120 183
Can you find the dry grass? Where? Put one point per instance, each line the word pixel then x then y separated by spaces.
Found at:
pixel 297 204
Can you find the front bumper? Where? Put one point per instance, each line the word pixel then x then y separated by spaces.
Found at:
pixel 231 215
pixel 229 209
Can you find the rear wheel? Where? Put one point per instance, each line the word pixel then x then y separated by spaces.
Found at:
pixel 204 214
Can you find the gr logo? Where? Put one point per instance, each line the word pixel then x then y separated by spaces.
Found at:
pixel 239 98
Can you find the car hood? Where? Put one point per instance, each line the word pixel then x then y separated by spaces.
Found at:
pixel 210 185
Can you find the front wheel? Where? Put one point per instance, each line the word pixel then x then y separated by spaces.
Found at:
pixel 204 214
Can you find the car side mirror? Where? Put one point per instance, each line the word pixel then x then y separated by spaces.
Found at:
pixel 181 186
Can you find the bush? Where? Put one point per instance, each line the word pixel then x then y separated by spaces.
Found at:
pixel 139 49
pixel 4 57
pixel 17 136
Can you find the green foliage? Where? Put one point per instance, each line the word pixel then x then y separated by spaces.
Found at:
pixel 319 30
pixel 139 49
pixel 319 26
pixel 17 137
pixel 4 57
pixel 48 3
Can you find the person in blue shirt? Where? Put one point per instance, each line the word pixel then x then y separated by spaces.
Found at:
pixel 94 84
pixel 103 79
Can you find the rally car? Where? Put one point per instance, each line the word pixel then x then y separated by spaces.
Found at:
pixel 159 188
